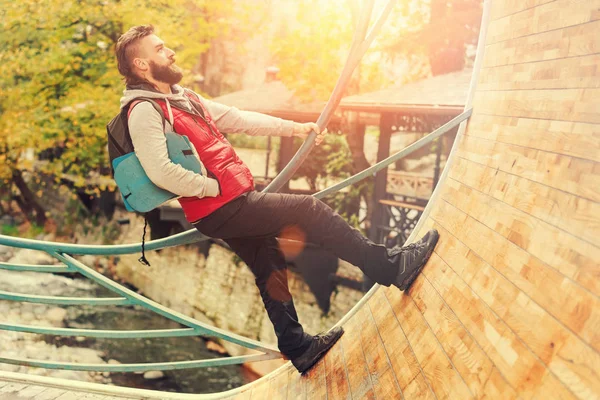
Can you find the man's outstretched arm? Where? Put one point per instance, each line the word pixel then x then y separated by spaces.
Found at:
pixel 233 120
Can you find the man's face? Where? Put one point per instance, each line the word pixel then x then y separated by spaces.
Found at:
pixel 158 60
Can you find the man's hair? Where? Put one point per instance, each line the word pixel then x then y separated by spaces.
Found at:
pixel 125 50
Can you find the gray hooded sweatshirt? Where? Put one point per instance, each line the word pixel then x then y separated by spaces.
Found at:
pixel 150 145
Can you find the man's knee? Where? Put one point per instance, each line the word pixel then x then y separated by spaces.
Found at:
pixel 312 205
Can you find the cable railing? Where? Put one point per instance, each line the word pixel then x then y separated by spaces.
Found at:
pixel 64 252
pixel 125 297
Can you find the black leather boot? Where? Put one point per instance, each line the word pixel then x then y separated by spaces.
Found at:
pixel 412 259
pixel 320 345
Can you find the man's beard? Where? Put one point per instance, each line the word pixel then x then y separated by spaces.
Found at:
pixel 170 74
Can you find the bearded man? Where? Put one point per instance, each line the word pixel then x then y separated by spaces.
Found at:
pixel 222 202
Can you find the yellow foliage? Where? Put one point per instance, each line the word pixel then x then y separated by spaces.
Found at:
pixel 311 52
pixel 59 85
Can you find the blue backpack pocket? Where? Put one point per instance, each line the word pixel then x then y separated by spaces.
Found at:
pixel 138 191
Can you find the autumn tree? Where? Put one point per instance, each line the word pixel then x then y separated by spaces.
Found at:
pixel 443 42
pixel 59 84
pixel 310 54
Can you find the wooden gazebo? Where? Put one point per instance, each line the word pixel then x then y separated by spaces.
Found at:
pixel 400 197
pixel 273 98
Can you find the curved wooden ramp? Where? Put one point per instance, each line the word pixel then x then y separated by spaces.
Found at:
pixel 508 306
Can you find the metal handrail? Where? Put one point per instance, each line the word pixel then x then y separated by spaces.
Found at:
pixel 32 298
pixel 126 297
pixel 97 333
pixel 164 366
pixel 28 267
pixel 447 127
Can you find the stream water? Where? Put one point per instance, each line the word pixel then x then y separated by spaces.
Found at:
pixel 96 350
pixel 197 380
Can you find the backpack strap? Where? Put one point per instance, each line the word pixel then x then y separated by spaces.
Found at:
pixel 143 259
pixel 125 112
pixel 156 106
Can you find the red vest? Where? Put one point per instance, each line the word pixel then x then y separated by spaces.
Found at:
pixel 219 158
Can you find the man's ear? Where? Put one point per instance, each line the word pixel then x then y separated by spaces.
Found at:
pixel 141 64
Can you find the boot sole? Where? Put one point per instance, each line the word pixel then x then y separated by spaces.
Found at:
pixel 322 352
pixel 417 271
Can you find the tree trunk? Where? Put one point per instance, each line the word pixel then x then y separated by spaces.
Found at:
pixel 27 201
pixel 356 143
pixel 447 50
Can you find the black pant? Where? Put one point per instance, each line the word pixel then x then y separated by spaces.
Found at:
pixel 250 224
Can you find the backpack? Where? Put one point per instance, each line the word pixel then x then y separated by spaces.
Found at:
pixel 119 139
pixel 139 193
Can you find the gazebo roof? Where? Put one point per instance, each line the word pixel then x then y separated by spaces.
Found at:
pixel 275 99
pixel 442 94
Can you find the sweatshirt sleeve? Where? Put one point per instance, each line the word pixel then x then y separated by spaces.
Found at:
pixel 232 120
pixel 150 146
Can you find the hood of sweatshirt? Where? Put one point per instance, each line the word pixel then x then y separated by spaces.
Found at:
pixel 177 98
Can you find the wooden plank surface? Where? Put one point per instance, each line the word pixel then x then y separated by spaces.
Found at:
pixel 13 387
pixel 574 41
pixel 544 335
pixel 316 385
pixel 91 396
pixel 571 305
pixel 578 257
pixel 474 366
pixel 243 395
pixel 31 391
pixel 562 137
pixel 501 9
pixel 279 385
pixel 560 250
pixel 361 386
pixel 578 105
pixel 55 390
pixel 336 375
pixel 403 360
pixel 260 391
pixel 296 387
pixel 70 396
pixel 521 338
pixel 542 19
pixel 561 73
pixel 495 388
pixel 572 175
pixel 50 394
pixel 385 383
pixel 439 371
